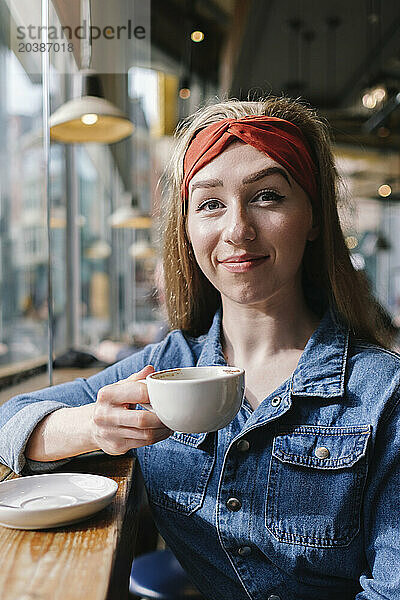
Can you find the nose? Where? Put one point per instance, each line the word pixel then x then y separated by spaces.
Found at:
pixel 239 227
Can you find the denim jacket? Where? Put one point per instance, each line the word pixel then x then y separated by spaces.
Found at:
pixel 296 500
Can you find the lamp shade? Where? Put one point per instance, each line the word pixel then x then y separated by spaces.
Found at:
pixel 99 250
pixel 128 217
pixel 142 249
pixel 89 119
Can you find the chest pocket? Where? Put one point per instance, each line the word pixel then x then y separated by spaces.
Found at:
pixel 315 485
pixel 176 471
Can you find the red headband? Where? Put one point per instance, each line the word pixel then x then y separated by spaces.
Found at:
pixel 279 139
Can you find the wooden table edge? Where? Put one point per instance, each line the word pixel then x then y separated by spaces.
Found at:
pixel 122 563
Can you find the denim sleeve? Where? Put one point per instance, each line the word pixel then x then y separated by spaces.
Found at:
pixel 20 415
pixel 382 512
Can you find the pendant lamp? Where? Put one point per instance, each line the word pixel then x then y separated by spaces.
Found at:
pixel 129 216
pixel 142 249
pixel 99 250
pixel 89 118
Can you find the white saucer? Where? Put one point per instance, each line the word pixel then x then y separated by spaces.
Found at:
pixel 54 499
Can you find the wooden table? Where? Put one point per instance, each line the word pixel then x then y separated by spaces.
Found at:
pixel 87 561
pixel 90 560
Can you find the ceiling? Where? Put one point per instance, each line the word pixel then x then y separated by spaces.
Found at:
pixel 325 52
pixel 172 22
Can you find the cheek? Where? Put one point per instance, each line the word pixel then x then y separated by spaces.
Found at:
pixel 289 235
pixel 203 239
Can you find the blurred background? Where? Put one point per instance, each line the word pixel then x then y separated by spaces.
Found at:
pixel 84 207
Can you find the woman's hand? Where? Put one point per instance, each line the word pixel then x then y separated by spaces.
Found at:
pixel 116 428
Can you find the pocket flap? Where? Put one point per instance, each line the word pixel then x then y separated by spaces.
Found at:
pixel 189 439
pixel 322 447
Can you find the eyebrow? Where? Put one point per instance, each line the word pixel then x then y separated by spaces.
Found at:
pixel 210 183
pixel 264 173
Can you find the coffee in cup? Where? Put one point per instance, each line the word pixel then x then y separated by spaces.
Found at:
pixel 196 399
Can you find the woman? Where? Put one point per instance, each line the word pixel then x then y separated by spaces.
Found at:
pixel 298 497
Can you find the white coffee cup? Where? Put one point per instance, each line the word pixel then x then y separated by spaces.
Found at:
pixel 196 399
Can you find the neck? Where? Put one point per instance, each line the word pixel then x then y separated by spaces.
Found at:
pixel 251 334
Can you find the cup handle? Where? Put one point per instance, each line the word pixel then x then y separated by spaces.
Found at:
pixel 146 406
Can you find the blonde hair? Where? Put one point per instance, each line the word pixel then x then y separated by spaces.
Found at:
pixel 329 278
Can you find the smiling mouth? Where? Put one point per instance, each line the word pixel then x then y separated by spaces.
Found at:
pixel 241 266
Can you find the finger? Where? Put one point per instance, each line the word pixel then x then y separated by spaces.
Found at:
pixel 140 374
pixel 140 419
pixel 139 377
pixel 124 392
pixel 147 435
pixel 147 399
pixel 137 443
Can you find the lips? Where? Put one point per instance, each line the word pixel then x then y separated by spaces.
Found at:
pixel 242 258
pixel 242 263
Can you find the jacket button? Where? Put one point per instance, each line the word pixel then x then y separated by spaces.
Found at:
pixel 322 452
pixel 243 445
pixel 274 597
pixel 276 401
pixel 233 504
pixel 244 550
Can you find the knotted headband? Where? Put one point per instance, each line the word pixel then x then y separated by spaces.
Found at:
pixel 281 140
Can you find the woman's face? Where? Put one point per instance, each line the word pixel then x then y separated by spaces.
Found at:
pixel 248 222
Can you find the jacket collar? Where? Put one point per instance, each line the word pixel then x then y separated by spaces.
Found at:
pixel 212 353
pixel 321 368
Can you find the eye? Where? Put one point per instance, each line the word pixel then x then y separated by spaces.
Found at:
pixel 209 205
pixel 268 196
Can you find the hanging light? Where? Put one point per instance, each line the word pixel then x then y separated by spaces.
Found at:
pixel 142 249
pixel 89 118
pixel 99 250
pixel 351 242
pixel 384 190
pixel 184 89
pixel 129 217
pixel 380 117
pixel 197 36
pixel 58 218
pixel 374 96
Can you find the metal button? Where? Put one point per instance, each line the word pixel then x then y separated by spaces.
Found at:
pixel 322 452
pixel 276 401
pixel 244 550
pixel 233 504
pixel 243 445
pixel 274 597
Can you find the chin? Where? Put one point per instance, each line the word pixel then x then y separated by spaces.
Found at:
pixel 244 298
